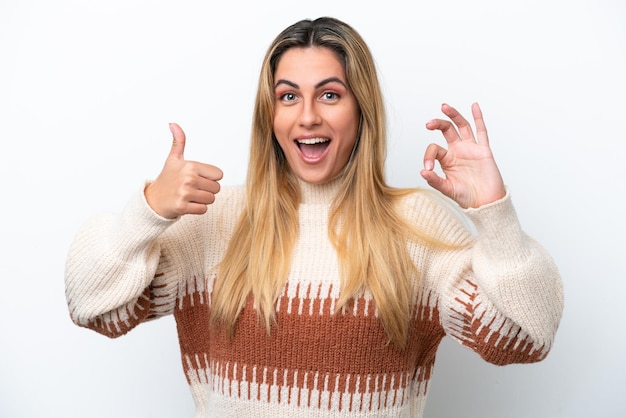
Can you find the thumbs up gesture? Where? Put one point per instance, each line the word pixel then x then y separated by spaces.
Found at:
pixel 183 187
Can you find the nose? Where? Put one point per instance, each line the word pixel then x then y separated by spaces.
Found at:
pixel 309 114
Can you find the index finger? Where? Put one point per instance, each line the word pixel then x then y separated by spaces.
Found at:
pixel 210 172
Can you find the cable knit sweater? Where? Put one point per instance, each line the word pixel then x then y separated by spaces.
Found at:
pixel 501 297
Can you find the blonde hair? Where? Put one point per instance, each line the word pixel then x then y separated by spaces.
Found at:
pixel 371 243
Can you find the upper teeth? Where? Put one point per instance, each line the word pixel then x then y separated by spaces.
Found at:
pixel 311 141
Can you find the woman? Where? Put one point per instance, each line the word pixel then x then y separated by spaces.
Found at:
pixel 317 289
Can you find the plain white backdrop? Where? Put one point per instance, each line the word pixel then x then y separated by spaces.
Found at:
pixel 86 93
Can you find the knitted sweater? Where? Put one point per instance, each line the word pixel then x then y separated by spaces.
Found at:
pixel 501 297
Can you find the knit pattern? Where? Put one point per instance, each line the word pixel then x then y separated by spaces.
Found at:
pixel 315 362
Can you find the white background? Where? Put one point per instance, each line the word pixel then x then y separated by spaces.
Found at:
pixel 86 93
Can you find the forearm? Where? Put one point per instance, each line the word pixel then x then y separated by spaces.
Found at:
pixel 503 297
pixel 112 261
pixel 515 273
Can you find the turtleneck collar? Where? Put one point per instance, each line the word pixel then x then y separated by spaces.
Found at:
pixel 317 194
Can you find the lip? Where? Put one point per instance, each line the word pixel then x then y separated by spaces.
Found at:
pixel 311 140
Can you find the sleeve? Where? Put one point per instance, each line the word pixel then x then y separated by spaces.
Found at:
pixel 503 297
pixel 117 272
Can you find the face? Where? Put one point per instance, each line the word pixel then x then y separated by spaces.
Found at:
pixel 316 116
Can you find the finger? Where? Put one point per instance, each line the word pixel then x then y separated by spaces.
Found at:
pixel 464 127
pixel 195 201
pixel 196 208
pixel 178 144
pixel 433 152
pixel 430 176
pixel 447 129
pixel 195 178
pixel 210 172
pixel 435 181
pixel 206 185
pixel 202 197
pixel 481 129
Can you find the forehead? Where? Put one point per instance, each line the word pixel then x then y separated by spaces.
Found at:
pixel 309 62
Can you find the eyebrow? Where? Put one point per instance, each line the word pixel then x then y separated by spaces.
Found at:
pixel 318 85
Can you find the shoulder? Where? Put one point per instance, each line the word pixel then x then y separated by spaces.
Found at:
pixel 230 196
pixel 435 215
pixel 221 215
pixel 228 204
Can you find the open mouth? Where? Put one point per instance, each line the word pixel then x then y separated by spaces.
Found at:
pixel 313 148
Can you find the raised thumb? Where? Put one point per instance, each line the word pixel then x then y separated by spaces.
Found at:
pixel 178 143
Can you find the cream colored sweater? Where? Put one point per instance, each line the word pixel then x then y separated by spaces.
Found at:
pixel 502 298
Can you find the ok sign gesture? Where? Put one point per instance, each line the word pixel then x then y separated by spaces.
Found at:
pixel 472 178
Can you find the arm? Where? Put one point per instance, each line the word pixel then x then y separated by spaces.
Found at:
pixel 111 270
pixel 506 298
pixel 123 269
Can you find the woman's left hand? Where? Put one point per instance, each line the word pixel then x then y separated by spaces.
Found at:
pixel 472 178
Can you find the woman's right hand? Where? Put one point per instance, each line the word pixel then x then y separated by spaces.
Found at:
pixel 183 187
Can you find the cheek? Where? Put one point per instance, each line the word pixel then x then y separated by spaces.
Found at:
pixel 281 125
pixel 349 134
pixel 282 138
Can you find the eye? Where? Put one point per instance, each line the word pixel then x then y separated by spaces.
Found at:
pixel 330 96
pixel 288 97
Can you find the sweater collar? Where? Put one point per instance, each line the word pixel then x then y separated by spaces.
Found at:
pixel 316 194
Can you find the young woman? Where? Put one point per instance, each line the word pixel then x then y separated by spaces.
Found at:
pixel 317 289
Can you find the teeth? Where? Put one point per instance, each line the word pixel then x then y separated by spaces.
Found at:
pixel 311 141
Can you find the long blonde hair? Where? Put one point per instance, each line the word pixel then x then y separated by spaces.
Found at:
pixel 371 243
